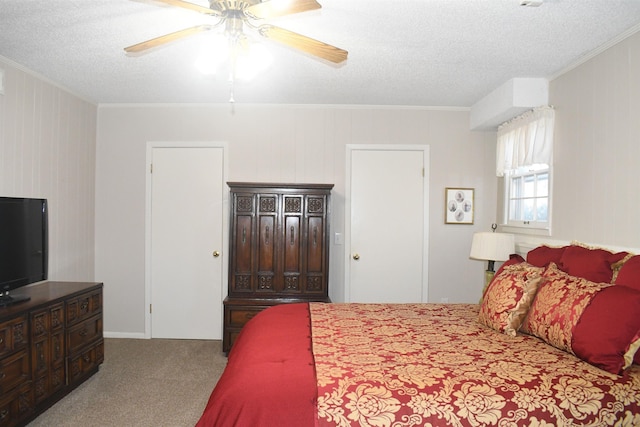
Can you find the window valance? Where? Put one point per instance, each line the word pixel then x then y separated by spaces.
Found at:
pixel 525 140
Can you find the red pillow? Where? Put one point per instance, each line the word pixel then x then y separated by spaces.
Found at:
pixel 608 332
pixel 598 322
pixel 543 255
pixel 629 274
pixel 591 264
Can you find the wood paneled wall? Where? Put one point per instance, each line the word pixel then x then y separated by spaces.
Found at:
pixel 596 188
pixel 47 150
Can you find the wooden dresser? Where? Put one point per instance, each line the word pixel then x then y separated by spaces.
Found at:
pixel 278 249
pixel 48 346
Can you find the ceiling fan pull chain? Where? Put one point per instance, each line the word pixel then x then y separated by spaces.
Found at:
pixel 232 101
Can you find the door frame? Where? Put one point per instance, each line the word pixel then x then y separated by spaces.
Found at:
pixel 347 210
pixel 225 226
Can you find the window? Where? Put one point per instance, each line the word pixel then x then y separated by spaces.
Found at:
pixel 527 201
pixel 523 158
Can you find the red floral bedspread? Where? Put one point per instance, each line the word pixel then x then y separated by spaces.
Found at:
pixel 435 365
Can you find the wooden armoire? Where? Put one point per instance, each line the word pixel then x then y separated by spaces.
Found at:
pixel 278 249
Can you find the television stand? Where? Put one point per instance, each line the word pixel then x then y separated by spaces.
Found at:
pixel 6 299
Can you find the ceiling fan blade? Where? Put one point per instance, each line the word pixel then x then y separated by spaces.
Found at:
pixel 275 8
pixel 303 43
pixel 191 6
pixel 167 38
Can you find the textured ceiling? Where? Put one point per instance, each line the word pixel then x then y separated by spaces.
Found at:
pixel 401 52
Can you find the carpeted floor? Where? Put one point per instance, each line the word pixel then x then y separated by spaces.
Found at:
pixel 143 383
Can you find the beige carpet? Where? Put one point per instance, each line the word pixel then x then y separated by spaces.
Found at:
pixel 143 383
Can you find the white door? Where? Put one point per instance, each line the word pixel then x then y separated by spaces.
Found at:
pixel 387 224
pixel 186 242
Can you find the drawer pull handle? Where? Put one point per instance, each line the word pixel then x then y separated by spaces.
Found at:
pixel 3 414
pixel 244 235
pixel 249 315
pixel 1 340
pixel 292 235
pixel 86 358
pixel 84 332
pixel 84 306
pixel 266 235
pixel 315 236
pixel 3 375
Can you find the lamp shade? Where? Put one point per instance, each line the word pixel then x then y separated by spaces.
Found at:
pixel 492 246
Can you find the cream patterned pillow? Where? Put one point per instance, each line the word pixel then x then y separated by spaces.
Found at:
pixel 509 296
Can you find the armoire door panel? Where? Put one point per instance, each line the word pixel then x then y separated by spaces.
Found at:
pixel 266 253
pixel 314 283
pixel 292 244
pixel 292 204
pixel 243 236
pixel 241 277
pixel 315 244
pixel 268 204
pixel 266 242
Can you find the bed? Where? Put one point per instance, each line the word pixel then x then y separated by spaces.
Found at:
pixel 546 346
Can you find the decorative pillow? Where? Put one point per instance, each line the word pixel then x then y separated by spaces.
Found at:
pixel 618 266
pixel 598 322
pixel 629 273
pixel 629 276
pixel 513 259
pixel 509 296
pixel 608 333
pixel 589 263
pixel 543 255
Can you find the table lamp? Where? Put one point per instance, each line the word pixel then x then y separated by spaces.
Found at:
pixel 491 247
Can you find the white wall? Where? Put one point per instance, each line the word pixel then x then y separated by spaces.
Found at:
pixel 284 144
pixel 47 150
pixel 596 185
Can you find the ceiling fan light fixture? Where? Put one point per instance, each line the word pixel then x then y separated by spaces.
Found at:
pixel 214 53
pixel 252 61
pixel 242 57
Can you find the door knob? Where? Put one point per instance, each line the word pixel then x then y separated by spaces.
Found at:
pixel 356 257
pixel 216 254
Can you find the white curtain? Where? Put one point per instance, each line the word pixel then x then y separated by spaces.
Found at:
pixel 525 140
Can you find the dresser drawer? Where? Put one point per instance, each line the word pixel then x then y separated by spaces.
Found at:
pixel 15 406
pixel 83 307
pixel 237 317
pixel 49 383
pixel 85 362
pixel 83 334
pixel 45 321
pixel 229 338
pixel 14 370
pixel 13 335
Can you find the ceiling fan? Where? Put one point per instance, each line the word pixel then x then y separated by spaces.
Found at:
pixel 236 14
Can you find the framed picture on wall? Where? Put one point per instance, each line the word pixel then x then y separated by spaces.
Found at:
pixel 458 205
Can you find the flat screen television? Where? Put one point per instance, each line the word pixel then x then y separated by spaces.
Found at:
pixel 23 246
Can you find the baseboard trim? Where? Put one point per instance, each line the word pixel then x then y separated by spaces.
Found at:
pixel 132 335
